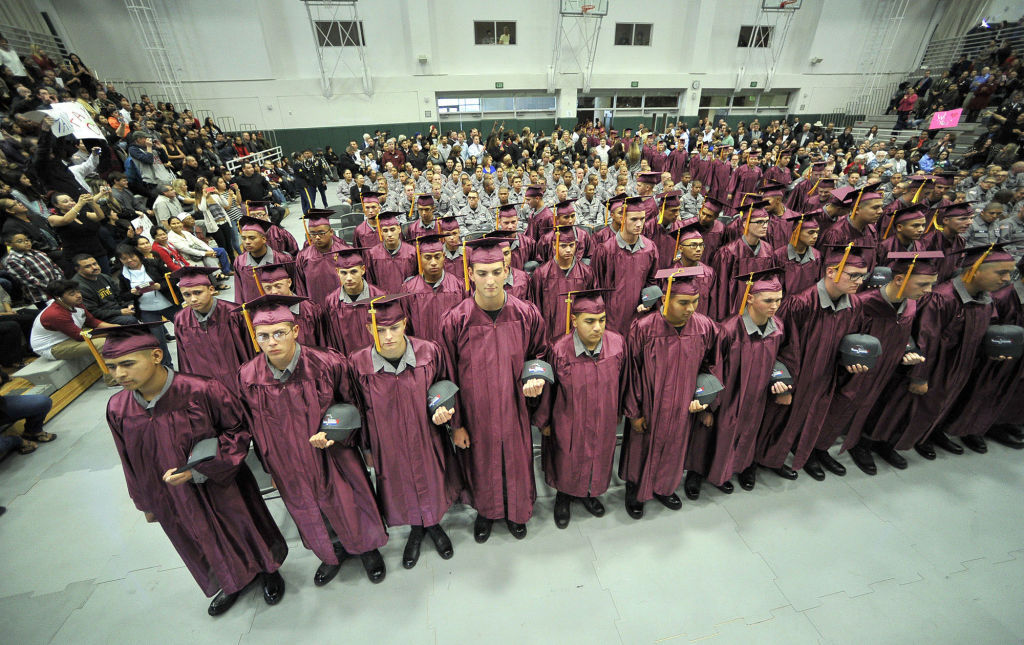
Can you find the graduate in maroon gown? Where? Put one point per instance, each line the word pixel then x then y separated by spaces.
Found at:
pixel 277 237
pixel 211 334
pixel 662 229
pixel 829 202
pixel 747 349
pixel 315 265
pixel 579 415
pixel 417 477
pixel 749 253
pixel 487 339
pixel 433 292
pixel 614 209
pixel 392 261
pixel 325 487
pixel 946 235
pixel 524 247
pixel 213 513
pixel 559 275
pixel 344 326
pixel 780 226
pixel 453 250
pixel 859 226
pixel 517 281
pixel 814 322
pixel 700 165
pixel 689 252
pixel 1007 412
pixel 888 315
pixel 565 215
pixel 256 253
pixel 798 198
pixel 645 183
pixel 744 180
pixel 951 324
pixel 426 223
pixel 780 173
pixel 625 263
pixel 543 219
pixel 366 234
pixel 711 229
pixel 275 280
pixel 799 260
pixel 908 226
pixel 666 349
pixel 720 176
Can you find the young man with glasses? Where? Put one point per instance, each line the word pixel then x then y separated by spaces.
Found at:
pixel 315 265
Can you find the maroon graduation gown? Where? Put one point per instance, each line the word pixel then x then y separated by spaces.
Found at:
pixel 520 287
pixel 662 368
pixel 677 163
pixel 843 232
pixel 541 222
pixel 314 483
pixel 700 169
pixel 664 238
pixel 221 528
pixel 583 411
pixel 798 275
pixel 418 229
pixel 733 259
pixel 310 319
pixel 779 174
pixel 627 273
pixel 281 240
pixel 936 241
pixel 712 241
pixel 744 365
pixel 779 229
pixel 703 283
pixel 720 175
pixel 417 478
pixel 318 272
pixel 893 244
pixel 744 180
pixel 365 236
pixel 427 304
pixel 344 325
pixel 215 349
pixel 1009 302
pixel 812 334
pixel 454 266
pixel 487 358
pixel 548 283
pixel 524 248
pixel 245 283
pixel 389 270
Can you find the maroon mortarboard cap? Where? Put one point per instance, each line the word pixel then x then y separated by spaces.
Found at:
pixel 614 132
pixel 486 250
pixel 755 155
pixel 839 195
pixel 318 217
pixel 690 230
pixel 371 197
pixel 449 223
pixel 835 254
pixel 126 339
pixel 508 210
pixel 681 280
pixel 564 232
pixel 957 209
pixel 615 201
pixel 389 218
pixel 909 214
pixel 714 205
pixel 501 234
pixel 425 200
pixel 194 276
pixel 985 253
pixel 271 310
pixel 807 220
pixel 923 262
pixel 649 178
pixel 534 190
pixel 635 203
pixel 430 243
pixel 565 208
pixel 384 310
pixel 587 301
pixel 817 166
pixel 764 280
pixel 670 198
pixel 247 223
pixel 274 272
pixel 349 258
pixel 944 178
pixel 774 189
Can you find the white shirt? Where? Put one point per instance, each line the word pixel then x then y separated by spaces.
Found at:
pixel 9 57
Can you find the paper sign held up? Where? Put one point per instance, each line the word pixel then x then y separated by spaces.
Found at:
pixel 82 125
pixel 947 119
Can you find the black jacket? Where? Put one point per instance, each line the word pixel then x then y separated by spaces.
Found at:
pixel 103 297
pixel 156 269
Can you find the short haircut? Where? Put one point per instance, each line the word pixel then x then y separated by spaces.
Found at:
pixel 127 249
pixel 80 257
pixel 58 288
pixel 115 177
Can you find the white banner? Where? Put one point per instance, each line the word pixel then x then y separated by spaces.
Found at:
pixel 82 125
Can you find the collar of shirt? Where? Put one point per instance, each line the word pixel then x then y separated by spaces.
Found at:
pixel 581 349
pixel 753 330
pixel 149 405
pixel 363 295
pixel 435 285
pixel 282 375
pixel 206 317
pixel 508 280
pixel 902 305
pixel 638 245
pixel 380 363
pixel 983 298
pixel 826 301
pixel 395 252
pixel 808 255
pixel 753 249
pixel 1018 287
pixel 268 258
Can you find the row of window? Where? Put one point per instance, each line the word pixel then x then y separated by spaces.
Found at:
pixel 349 33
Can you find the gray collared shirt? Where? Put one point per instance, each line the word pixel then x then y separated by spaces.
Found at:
pixel 753 330
pixel 149 405
pixel 753 249
pixel 808 255
pixel 826 301
pixel 960 288
pixel 205 318
pixel 636 246
pixel 268 258
pixel 508 280
pixel 902 304
pixel 363 295
pixel 581 349
pixel 282 375
pixel 408 360
pixel 435 285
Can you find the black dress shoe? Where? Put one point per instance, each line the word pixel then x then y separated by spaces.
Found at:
pixel 890 456
pixel 1003 435
pixel 593 506
pixel 861 455
pixel 785 472
pixel 373 563
pixel 975 442
pixel 691 485
pixel 748 478
pixel 482 528
pixel 273 588
pixel 441 541
pixel 517 530
pixel 562 503
pixel 925 449
pixel 813 468
pixel 325 573
pixel 940 439
pixel 411 555
pixel 671 502
pixel 726 488
pixel 829 463
pixel 634 508
pixel 221 603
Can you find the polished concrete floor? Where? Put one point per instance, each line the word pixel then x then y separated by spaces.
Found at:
pixel 932 554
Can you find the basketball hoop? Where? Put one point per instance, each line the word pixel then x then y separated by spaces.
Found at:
pixel 585 9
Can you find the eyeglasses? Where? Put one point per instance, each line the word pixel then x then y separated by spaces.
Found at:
pixel 693 245
pixel 278 335
pixel 320 233
pixel 856 277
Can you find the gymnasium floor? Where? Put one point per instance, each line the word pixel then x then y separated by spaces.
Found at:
pixel 933 554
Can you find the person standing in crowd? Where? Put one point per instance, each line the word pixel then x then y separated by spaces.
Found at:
pixel 344 325
pixel 625 264
pixel 211 337
pixel 433 291
pixel 316 264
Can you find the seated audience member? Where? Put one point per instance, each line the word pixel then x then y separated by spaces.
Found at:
pixel 32 269
pixel 57 332
pixel 32 408
pixel 101 294
pixel 15 328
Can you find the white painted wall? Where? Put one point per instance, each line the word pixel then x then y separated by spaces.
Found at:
pixel 255 59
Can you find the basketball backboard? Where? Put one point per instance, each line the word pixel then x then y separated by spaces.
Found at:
pixel 584 7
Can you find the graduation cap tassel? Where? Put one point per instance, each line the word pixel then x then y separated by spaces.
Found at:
pixel 568 311
pixel 675 249
pixel 95 354
pixel 934 223
pixel 815 186
pixel 661 213
pixel 746 224
pixel 917 194
pixel 373 324
pixel 607 209
pixel 746 293
pixel 668 294
pixel 856 204
pixel 419 260
pixel 888 228
pixel 259 285
pixel 170 288
pixel 408 217
pixel 248 326
pixel 846 254
pixel 794 239
pixel 465 266
pixel 970 273
pixel 906 276
pixel 305 227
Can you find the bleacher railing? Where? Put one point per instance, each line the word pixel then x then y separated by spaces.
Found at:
pixel 257 158
pixel 941 54
pixel 21 41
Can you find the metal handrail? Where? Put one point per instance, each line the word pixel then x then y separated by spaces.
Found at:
pixel 256 158
pixel 944 52
pixel 21 40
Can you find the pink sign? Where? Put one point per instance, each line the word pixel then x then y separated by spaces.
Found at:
pixel 946 119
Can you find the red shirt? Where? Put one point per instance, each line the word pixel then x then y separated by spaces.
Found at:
pixel 171 257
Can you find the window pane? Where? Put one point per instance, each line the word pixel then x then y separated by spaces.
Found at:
pixel 705 101
pixel 497 104
pixel 506 32
pixel 744 39
pixel 469 105
pixel 642 35
pixel 741 101
pixel 628 101
pixel 483 32
pixel 328 34
pixel 763 37
pixel 775 99
pixel 718 101
pixel 585 102
pixel 623 33
pixel 661 101
pixel 535 102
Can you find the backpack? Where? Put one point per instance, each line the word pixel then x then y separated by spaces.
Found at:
pixel 131 171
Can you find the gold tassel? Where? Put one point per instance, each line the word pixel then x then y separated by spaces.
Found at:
pixel 746 224
pixel 815 186
pixel 969 275
pixel 465 266
pixel 795 237
pixel 248 325
pixel 746 293
pixel 842 263
pixel 373 324
pixel 419 260
pixel 170 287
pixel 259 285
pixel 906 276
pixel 668 294
pixel 568 310
pixel 95 354
pixel 661 213
pixel 917 194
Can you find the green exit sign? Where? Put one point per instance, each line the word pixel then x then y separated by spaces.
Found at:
pixel 634 83
pixel 753 83
pixel 499 85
